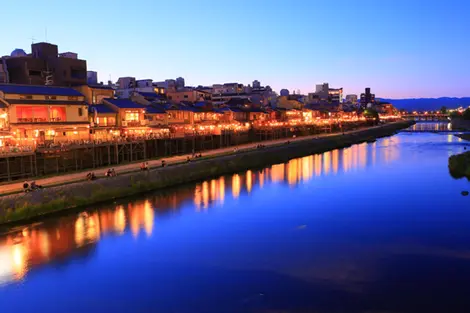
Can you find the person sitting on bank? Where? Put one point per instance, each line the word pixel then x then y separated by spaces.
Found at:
pixel 144 166
pixel 108 173
pixel 35 186
pixel 25 187
pixel 188 159
pixel 113 173
pixel 163 163
pixel 91 176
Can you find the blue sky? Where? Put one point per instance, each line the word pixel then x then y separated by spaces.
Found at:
pixel 399 48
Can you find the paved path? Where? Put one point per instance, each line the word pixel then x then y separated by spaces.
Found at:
pixel 132 167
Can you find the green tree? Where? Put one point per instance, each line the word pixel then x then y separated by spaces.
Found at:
pixel 443 110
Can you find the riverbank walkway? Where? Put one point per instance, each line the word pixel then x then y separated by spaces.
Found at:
pixel 17 186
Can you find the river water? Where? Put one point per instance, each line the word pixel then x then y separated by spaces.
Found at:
pixel 377 227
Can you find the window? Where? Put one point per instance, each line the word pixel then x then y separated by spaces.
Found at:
pixel 78 73
pixel 50 97
pixel 80 111
pixel 30 114
pixel 34 73
pixel 26 97
pixel 58 114
pixel 106 121
pixel 73 98
pixel 186 96
pixel 132 116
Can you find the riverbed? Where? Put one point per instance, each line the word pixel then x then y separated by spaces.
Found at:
pixel 376 227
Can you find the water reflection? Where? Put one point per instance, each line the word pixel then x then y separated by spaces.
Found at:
pixel 22 250
pixel 431 126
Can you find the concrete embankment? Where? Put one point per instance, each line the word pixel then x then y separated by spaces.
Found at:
pixel 17 207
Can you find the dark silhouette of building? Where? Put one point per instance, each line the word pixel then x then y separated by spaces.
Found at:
pixel 367 98
pixel 45 66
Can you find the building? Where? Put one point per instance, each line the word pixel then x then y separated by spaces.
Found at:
pixel 94 94
pixel 126 86
pixel 130 114
pixel 335 95
pixel 44 66
pixel 351 99
pixel 323 93
pixel 92 77
pixel 103 122
pixel 367 98
pixel 221 93
pixel 290 102
pixel 179 83
pixel 187 94
pixel 43 114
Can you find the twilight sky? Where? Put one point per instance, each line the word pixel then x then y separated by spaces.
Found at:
pixel 399 48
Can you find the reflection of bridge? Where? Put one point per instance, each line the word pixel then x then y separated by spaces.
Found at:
pixel 426 117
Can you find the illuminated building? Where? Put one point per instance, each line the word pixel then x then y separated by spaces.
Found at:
pixel 39 114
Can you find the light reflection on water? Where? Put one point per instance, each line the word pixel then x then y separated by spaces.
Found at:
pixel 27 249
pixel 431 126
pixel 23 250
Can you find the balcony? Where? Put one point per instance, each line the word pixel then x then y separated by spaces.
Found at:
pixel 28 120
pixel 134 123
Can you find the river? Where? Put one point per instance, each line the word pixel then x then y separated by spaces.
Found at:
pixel 377 227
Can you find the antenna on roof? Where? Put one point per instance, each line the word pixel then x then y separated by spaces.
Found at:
pixel 32 39
pixel 45 32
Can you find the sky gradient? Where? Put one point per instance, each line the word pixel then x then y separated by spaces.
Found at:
pixel 399 48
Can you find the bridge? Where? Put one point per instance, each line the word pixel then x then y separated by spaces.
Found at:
pixel 426 116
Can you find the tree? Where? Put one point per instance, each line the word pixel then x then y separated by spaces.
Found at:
pixel 443 110
pixel 371 113
pixel 466 114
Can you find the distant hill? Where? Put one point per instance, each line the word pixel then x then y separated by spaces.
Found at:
pixel 423 104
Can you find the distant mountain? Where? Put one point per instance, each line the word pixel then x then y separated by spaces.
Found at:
pixel 431 104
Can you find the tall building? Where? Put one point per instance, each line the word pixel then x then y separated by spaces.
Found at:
pixel 44 66
pixel 367 98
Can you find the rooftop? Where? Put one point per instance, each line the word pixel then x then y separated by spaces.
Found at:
pixel 38 90
pixel 124 103
pixel 101 108
pixel 154 109
pixel 99 86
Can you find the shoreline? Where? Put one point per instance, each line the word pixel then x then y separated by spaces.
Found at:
pixel 16 207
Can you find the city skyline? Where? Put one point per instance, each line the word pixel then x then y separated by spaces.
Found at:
pixel 400 50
